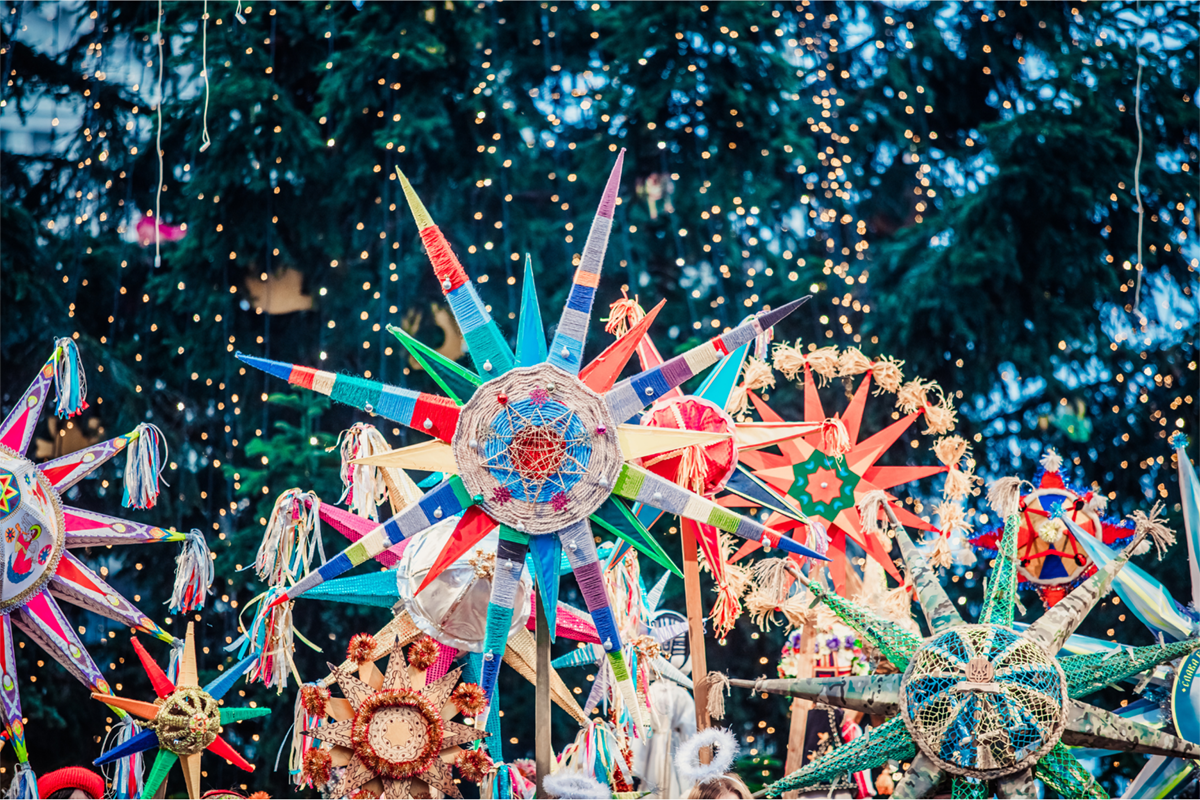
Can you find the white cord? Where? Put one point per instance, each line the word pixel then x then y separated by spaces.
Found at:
pixel 158 148
pixel 1137 173
pixel 204 70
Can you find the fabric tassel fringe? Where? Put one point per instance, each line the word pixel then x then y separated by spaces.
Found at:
pixel 193 574
pixel 1151 525
pixel 1004 496
pixel 125 774
pixel 24 783
pixel 70 382
pixel 623 315
pixel 272 636
pixel 364 486
pixel 756 376
pixel 173 661
pixel 292 538
pixel 868 510
pixel 144 462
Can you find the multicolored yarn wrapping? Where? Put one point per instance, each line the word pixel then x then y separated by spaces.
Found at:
pixel 428 413
pixel 143 466
pixel 566 350
pixel 486 344
pixel 194 574
pixel 70 381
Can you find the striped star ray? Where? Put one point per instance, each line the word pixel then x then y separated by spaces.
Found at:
pixel 421 411
pixel 485 341
pixel 566 351
pixel 629 396
pixel 446 499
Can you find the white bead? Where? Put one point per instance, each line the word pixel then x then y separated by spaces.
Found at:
pixel 603 481
pixel 437 513
pixel 474 444
pixel 565 352
pixel 369 408
pixel 656 496
pixel 520 526
pixel 446 284
pixel 649 392
pixel 487 366
pixel 489 656
pixel 428 425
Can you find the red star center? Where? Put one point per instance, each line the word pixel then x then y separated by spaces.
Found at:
pixel 824 485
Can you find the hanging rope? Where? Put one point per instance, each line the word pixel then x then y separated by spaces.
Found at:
pixel 1137 172
pixel 206 141
pixel 158 147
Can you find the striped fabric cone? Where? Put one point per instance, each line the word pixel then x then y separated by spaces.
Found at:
pixel 428 413
pixel 510 563
pixel 580 547
pixel 641 485
pixel 449 498
pixel 631 395
pixel 486 343
pixel 566 351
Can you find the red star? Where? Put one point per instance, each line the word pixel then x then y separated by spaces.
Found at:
pixel 824 485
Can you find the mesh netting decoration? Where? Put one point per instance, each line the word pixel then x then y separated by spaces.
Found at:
pixel 981 701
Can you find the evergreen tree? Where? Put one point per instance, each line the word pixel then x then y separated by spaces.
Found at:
pixel 954 184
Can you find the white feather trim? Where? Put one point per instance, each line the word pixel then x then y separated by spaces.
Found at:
pixel 572 784
pixel 725 750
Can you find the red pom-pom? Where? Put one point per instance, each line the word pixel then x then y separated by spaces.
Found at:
pixel 423 653
pixel 468 698
pixel 314 698
pixel 363 794
pixel 361 648
pixel 318 766
pixel 473 765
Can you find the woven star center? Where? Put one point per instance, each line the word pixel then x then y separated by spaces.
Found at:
pixel 536 452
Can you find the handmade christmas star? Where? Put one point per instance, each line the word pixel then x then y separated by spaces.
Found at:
pixel 393 730
pixel 538 447
pixel 1053 560
pixel 184 721
pixel 811 479
pixel 40 530
pixel 980 704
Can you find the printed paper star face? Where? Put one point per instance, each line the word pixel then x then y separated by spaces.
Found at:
pixel 393 731
pixel 538 445
pixel 40 530
pixel 983 706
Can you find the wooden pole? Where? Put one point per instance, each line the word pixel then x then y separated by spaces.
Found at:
pixel 543 750
pixel 800 707
pixel 695 618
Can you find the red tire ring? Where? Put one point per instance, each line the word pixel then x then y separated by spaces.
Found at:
pixel 360 734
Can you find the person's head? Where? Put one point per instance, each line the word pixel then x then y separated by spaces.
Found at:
pixel 725 786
